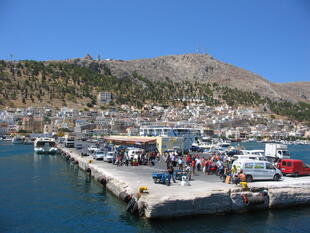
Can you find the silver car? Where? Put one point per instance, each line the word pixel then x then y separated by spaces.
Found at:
pixel 109 157
pixel 98 155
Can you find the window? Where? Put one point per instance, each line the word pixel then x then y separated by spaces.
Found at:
pixel 284 163
pixel 259 165
pixel 289 164
pixel 269 166
pixel 248 165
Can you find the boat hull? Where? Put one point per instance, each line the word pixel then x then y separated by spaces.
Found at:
pixel 46 151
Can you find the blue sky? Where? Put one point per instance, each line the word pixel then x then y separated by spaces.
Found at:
pixel 268 37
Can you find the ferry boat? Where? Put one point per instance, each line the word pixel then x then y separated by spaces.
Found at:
pixel 45 146
pixel 17 140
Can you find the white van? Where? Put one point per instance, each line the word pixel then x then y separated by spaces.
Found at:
pixel 258 170
pixel 247 157
pixel 134 151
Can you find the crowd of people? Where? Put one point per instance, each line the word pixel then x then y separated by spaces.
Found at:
pixel 123 158
pixel 217 164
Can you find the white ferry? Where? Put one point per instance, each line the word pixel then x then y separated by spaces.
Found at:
pixel 45 146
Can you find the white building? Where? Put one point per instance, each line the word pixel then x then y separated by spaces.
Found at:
pixel 104 97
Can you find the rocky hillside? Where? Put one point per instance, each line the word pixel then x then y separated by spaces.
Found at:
pixel 169 80
pixel 204 68
pixel 297 91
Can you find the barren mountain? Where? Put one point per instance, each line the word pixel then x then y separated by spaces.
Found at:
pixel 296 90
pixel 204 68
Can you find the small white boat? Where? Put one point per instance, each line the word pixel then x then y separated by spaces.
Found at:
pixel 45 146
pixel 17 140
pixel 6 139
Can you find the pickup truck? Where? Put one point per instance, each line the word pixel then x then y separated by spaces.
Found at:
pixel 293 167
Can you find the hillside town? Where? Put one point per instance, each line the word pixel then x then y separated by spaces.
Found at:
pixel 193 120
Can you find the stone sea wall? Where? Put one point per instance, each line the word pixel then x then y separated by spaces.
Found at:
pixel 226 200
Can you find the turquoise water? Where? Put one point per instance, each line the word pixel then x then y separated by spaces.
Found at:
pixel 42 193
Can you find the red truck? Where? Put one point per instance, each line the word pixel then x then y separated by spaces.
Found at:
pixel 293 167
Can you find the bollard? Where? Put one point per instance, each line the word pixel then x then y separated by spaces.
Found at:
pixel 244 185
pixel 142 189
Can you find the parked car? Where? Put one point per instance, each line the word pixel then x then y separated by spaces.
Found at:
pixel 294 167
pixel 78 146
pixel 92 148
pixel 99 154
pixel 258 170
pixel 109 157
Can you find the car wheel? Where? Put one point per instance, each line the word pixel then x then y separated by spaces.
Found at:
pixel 249 178
pixel 276 177
pixel 295 174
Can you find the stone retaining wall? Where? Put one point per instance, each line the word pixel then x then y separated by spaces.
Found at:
pixel 211 202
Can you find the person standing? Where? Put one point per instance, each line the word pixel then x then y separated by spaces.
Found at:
pixel 241 177
pixel 193 166
pixel 180 163
pixel 198 163
pixel 188 172
pixel 188 160
pixel 171 172
pixel 203 165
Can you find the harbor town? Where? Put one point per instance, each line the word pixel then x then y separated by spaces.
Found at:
pixel 155 116
pixel 169 162
pixel 195 120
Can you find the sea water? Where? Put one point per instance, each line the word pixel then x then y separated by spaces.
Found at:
pixel 45 193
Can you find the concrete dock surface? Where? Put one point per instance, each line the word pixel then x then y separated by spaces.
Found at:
pixel 207 194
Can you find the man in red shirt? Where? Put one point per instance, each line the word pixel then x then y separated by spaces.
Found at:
pixel 193 165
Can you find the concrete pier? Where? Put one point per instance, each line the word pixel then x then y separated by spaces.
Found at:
pixel 205 195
